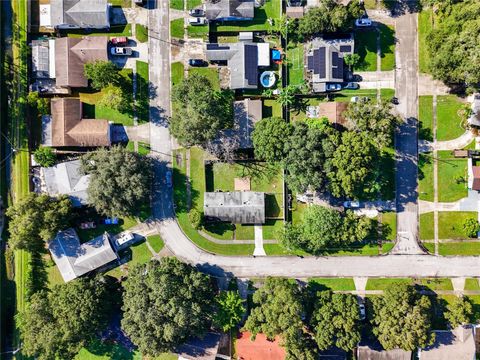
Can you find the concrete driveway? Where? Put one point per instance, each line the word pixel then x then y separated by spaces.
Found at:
pixel 140 52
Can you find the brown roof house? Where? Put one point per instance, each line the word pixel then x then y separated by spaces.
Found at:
pixel 71 55
pixel 473 176
pixel 67 128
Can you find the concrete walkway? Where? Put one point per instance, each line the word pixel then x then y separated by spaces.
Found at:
pixel 377 79
pixel 469 203
pixel 259 250
pixel 458 143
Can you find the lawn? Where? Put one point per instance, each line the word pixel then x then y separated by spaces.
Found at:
pixel 295 63
pixel 387 94
pixel 366 48
pixel 177 72
pixel 449 122
pixel 271 108
pixel 176 4
pixel 98 350
pixel 193 4
pixel 335 284
pixel 425 23
pixel 425 177
pixel 370 4
pixel 436 284
pixel 177 28
pixel 426 226
pixel 141 32
pixel 389 220
pixel 425 117
pixel 136 254
pixel 210 73
pixel 472 284
pixel 450 224
pixel 452 173
pixel 459 248
pixel 198 31
pixel 382 284
pixel 156 242
pixel 346 95
pixel 387 47
pixel 115 30
pixel 143 93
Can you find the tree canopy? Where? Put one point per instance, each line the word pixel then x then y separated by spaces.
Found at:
pixel 57 324
pixel 102 73
pixel 44 156
pixel 402 318
pixel 200 112
pixel 120 180
pixel 166 302
pixel 230 310
pixel 269 137
pixel 35 219
pixel 459 312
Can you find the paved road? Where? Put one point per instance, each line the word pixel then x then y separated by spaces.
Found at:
pixel 406 140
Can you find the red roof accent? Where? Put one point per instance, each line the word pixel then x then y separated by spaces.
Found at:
pixel 476 178
pixel 260 349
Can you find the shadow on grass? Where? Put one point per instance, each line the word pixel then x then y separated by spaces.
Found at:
pixel 365 42
pixel 387 166
pixel 180 195
pixel 272 207
pixel 423 159
pixel 387 39
pixel 424 133
pixel 110 350
pixel 218 227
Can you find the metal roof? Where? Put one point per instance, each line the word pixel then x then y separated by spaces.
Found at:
pixel 238 207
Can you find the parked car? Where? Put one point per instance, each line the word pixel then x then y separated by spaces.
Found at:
pixel 168 178
pixel 124 239
pixel 394 100
pixel 139 2
pixel 352 86
pixel 119 41
pixel 362 310
pixel 197 12
pixel 351 204
pixel 333 87
pixel 111 221
pixel 121 51
pixel 197 62
pixel 197 21
pixel 364 22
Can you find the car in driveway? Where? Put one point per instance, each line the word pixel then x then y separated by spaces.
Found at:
pixel 197 62
pixel 333 87
pixel 352 86
pixel 121 51
pixel 119 41
pixel 197 12
pixel 351 204
pixel 363 22
pixel 197 21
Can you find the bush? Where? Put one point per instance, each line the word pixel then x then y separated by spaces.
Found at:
pixel 196 218
pixel 44 156
pixel 471 227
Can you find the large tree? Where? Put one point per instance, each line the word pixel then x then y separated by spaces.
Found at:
pixel 336 321
pixel 102 73
pixel 199 111
pixel 166 302
pixel 269 137
pixel 120 180
pixel 35 219
pixel 402 318
pixel 57 324
pixel 230 310
pixel 459 312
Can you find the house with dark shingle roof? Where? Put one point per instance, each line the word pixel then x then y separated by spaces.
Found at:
pixel 75 14
pixel 237 207
pixel 229 10
pixel 369 353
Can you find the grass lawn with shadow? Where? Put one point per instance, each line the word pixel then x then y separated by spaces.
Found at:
pixel 115 31
pixel 389 220
pixel 425 117
pixel 436 284
pixel 387 47
pixel 449 122
pixel 143 92
pixel 177 28
pixel 295 64
pixel 366 48
pixel 178 72
pixel 382 284
pixel 425 177
pixel 271 108
pixel 98 350
pixel 210 73
pixel 450 224
pixel 335 284
pixel 452 174
pixel 426 226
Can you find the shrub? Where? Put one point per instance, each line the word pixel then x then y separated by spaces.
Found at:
pixel 471 227
pixel 196 218
pixel 44 156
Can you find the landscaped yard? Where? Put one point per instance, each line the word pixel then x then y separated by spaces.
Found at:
pixel 210 73
pixel 426 226
pixel 389 220
pixel 425 117
pixel 295 63
pixel 155 242
pixel 425 177
pixel 452 174
pixel 459 248
pixel 177 72
pixel 449 121
pixel 387 47
pixel 335 284
pixel 198 31
pixel 425 23
pixel 141 33
pixel 103 351
pixel 450 223
pixel 177 28
pixel 366 48
pixel 271 108
pixel 143 96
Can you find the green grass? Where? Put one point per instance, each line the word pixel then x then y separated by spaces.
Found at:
pixel 389 219
pixel 177 28
pixel 142 101
pixel 122 3
pixel 426 226
pixel 387 94
pixel 425 23
pixel 437 284
pixel 335 284
pixel 271 108
pixel 450 223
pixel 449 122
pixel 430 246
pixel 382 284
pixel 115 30
pixel 472 284
pixel 177 73
pixel 53 274
pixel 452 173
pixel 141 32
pixel 459 248
pixel 141 254
pixel 370 4
pixel 98 350
pixel 210 73
pixel 295 63
pixel 425 117
pixel 271 228
pixel 198 31
pixel 425 177
pixel 193 4
pixel 244 232
pixel 387 47
pixel 156 242
pixel 366 48
pixel 176 4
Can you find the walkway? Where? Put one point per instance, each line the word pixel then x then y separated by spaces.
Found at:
pixel 458 143
pixel 469 203
pixel 259 250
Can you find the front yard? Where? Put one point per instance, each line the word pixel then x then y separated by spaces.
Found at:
pixel 449 121
pixel 366 48
pixel 452 175
pixel 425 177
pixel 425 117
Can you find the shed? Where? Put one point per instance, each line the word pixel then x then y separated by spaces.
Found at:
pixel 238 207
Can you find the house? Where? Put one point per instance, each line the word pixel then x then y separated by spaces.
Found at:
pixel 260 348
pixel 474 119
pixel 246 113
pixel 473 175
pixel 325 61
pixel 451 344
pixel 67 128
pixel 71 55
pixel 243 60
pixel 74 259
pixel 66 179
pixel 229 10
pixel 377 353
pixel 332 110
pixel 75 14
pixel 238 207
pixel 200 349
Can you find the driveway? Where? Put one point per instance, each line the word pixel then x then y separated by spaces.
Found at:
pixel 140 52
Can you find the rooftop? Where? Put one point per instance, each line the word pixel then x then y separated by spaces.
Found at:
pixel 238 207
pixel 451 344
pixel 368 353
pixel 79 13
pixel 229 9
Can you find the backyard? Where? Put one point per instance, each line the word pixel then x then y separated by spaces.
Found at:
pixel 295 63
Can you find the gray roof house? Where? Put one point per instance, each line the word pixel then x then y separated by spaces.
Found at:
pixel 451 344
pixel 243 59
pixel 238 207
pixel 74 259
pixel 200 349
pixel 246 113
pixel 325 61
pixel 369 353
pixel 75 14
pixel 229 10
pixel 66 179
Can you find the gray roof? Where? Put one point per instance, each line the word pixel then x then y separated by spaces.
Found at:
pixel 367 353
pixel 40 58
pixel 200 349
pixel 451 344
pixel 229 9
pixel 247 113
pixel 74 259
pixel 80 13
pixel 238 207
pixel 66 179
pixel 474 118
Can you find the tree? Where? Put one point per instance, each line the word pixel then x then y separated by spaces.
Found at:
pixel 165 303
pixel 57 324
pixel 322 227
pixel 45 156
pixel 471 227
pixel 230 310
pixel 200 112
pixel 459 312
pixel 357 228
pixel 269 138
pixel 353 168
pixel 402 318
pixel 114 98
pixel 224 147
pixel 35 219
pixel 286 97
pixel 195 217
pixel 102 73
pixel 42 105
pixel 336 321
pixel 120 180
pixel 351 60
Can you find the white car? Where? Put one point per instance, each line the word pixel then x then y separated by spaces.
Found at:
pixel 121 51
pixel 364 22
pixel 197 20
pixel 123 239
pixel 333 87
pixel 351 204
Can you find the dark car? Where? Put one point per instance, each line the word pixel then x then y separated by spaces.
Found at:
pixel 394 100
pixel 197 62
pixel 197 12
